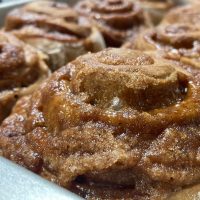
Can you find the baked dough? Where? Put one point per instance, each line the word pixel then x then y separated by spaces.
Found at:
pixel 55 29
pixel 22 69
pixel 117 20
pixel 118 124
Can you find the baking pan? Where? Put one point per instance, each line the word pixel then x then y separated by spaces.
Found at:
pixel 5 7
pixel 16 182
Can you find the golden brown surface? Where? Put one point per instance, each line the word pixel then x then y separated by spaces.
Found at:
pixel 117 124
pixel 55 29
pixel 178 42
pixel 116 19
pixel 176 38
pixel 21 70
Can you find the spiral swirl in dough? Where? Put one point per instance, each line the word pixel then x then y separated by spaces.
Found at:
pixel 180 42
pixel 21 70
pixel 116 19
pixel 55 29
pixel 111 125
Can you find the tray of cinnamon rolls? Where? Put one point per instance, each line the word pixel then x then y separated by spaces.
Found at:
pixel 102 98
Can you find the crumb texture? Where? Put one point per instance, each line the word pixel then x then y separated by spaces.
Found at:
pixel 117 124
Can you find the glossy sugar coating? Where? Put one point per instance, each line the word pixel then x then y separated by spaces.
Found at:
pixel 111 125
pixel 21 70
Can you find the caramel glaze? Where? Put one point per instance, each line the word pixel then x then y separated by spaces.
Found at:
pixel 55 29
pixel 118 124
pixel 21 69
pixel 116 19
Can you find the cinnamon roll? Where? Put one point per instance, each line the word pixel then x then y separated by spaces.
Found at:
pixel 180 42
pixel 55 29
pixel 21 71
pixel 116 19
pixel 156 8
pixel 118 124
